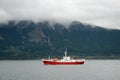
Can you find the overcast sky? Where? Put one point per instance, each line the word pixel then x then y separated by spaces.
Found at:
pixel 99 12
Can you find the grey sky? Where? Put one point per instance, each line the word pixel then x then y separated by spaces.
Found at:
pixel 99 12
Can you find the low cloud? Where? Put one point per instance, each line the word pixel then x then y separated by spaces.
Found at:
pixel 99 12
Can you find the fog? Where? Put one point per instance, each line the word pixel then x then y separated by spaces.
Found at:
pixel 104 13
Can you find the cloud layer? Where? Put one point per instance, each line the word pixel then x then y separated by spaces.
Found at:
pixel 99 12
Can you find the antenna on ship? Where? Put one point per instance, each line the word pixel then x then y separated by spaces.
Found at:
pixel 65 52
pixel 49 57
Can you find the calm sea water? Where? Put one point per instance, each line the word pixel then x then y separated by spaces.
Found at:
pixel 35 70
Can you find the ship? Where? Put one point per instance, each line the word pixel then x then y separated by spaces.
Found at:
pixel 66 60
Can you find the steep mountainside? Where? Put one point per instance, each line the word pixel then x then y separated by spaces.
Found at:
pixel 29 40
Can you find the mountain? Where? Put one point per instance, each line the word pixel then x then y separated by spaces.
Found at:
pixel 30 40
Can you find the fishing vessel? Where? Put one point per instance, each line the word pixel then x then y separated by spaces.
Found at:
pixel 66 60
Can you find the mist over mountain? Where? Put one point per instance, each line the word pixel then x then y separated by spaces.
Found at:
pixel 30 40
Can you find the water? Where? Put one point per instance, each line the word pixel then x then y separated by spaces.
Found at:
pixel 35 70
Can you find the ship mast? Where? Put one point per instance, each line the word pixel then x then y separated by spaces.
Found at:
pixel 66 53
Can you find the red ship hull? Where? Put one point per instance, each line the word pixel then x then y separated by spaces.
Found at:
pixel 47 62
